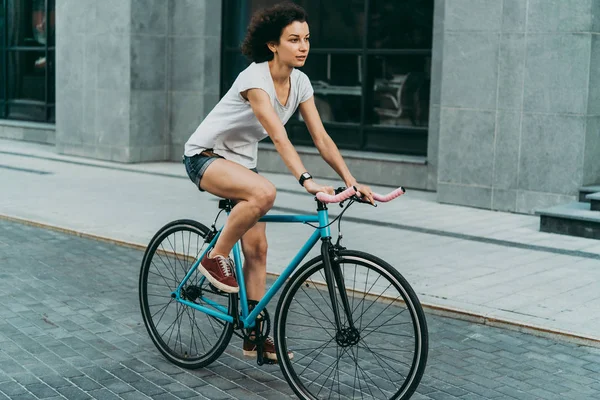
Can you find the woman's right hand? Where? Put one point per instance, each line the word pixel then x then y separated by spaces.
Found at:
pixel 313 187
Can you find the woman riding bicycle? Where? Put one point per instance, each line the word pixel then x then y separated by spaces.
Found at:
pixel 220 156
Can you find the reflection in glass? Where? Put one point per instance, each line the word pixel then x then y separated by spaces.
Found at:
pixel 336 80
pixel 29 66
pixel 400 90
pixel 400 24
pixel 29 24
pixel 27 76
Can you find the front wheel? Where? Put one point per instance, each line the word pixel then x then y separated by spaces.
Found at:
pixel 381 355
pixel 185 336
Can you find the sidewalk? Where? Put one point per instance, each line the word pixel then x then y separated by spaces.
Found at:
pixel 487 266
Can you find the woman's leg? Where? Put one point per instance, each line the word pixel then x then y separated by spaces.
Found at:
pixel 254 246
pixel 253 194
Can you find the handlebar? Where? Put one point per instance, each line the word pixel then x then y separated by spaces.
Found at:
pixel 351 191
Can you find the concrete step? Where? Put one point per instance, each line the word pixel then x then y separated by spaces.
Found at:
pixel 594 200
pixel 573 219
pixel 585 190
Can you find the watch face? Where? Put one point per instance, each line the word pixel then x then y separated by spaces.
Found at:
pixel 306 175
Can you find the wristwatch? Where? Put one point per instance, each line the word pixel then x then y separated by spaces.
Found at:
pixel 303 177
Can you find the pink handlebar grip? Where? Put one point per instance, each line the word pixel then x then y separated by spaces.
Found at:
pixel 390 196
pixel 328 198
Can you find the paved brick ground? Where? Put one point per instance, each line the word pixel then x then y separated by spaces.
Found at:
pixel 70 328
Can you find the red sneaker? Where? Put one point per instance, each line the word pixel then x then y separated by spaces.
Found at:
pixel 219 272
pixel 268 349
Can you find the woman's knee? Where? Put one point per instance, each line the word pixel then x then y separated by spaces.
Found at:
pixel 264 196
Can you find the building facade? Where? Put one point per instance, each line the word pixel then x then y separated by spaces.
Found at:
pixel 491 103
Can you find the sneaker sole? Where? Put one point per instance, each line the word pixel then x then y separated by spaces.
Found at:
pixel 216 283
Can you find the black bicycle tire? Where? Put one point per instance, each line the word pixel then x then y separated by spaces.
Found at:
pixel 420 360
pixel 223 341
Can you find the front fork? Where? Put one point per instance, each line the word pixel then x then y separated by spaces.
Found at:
pixel 334 277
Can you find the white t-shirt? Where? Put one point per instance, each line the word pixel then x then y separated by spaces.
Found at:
pixel 232 129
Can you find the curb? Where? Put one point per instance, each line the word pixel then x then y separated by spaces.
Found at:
pixel 442 311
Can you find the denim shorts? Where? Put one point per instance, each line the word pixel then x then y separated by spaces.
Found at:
pixel 197 164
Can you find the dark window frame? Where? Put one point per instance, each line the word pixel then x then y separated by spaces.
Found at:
pixel 48 49
pixel 414 138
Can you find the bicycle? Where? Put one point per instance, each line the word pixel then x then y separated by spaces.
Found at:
pixel 354 324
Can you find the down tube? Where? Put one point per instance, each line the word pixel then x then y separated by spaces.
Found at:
pixel 283 277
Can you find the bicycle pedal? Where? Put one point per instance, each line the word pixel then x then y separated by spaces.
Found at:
pixel 215 289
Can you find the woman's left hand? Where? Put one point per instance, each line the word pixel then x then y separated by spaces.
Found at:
pixel 365 192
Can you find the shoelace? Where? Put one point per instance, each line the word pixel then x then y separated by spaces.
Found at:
pixel 225 264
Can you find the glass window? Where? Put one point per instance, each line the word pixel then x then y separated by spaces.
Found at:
pixel 336 80
pixel 399 90
pixel 400 24
pixel 28 54
pixel 371 88
pixel 335 24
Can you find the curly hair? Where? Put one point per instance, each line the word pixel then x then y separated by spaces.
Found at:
pixel 266 26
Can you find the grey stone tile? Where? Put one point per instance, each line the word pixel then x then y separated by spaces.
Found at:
pixel 157 153
pixel 593 106
pixel 114 62
pixel 528 201
pixel 506 153
pixel 559 16
pixel 69 117
pixel 514 15
pixel 469 77
pixel 557 73
pixel 112 118
pixel 188 17
pixel 212 15
pixel 473 196
pixel 148 62
pixel 69 74
pixel 595 17
pixel 149 17
pixel 39 135
pixel 466 146
pixel 212 65
pixel 504 200
pixel 81 15
pixel 115 17
pixel 591 161
pixel 473 15
pixel 90 62
pixel 548 145
pixel 88 128
pixel 511 71
pixel 186 111
pixel 148 119
pixel 187 63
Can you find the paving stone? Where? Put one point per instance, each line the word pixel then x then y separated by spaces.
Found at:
pixel 103 394
pixel 85 383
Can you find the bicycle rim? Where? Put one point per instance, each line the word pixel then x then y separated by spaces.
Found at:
pixel 184 335
pixel 383 358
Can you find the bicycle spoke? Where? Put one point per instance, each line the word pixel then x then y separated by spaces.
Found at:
pixel 316 319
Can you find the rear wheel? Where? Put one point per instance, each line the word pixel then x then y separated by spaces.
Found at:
pixel 382 356
pixel 185 336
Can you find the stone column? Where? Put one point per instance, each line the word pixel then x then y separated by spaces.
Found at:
pixel 195 62
pixel 120 67
pixel 519 103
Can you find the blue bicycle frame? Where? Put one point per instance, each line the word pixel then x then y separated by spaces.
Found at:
pixel 248 320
